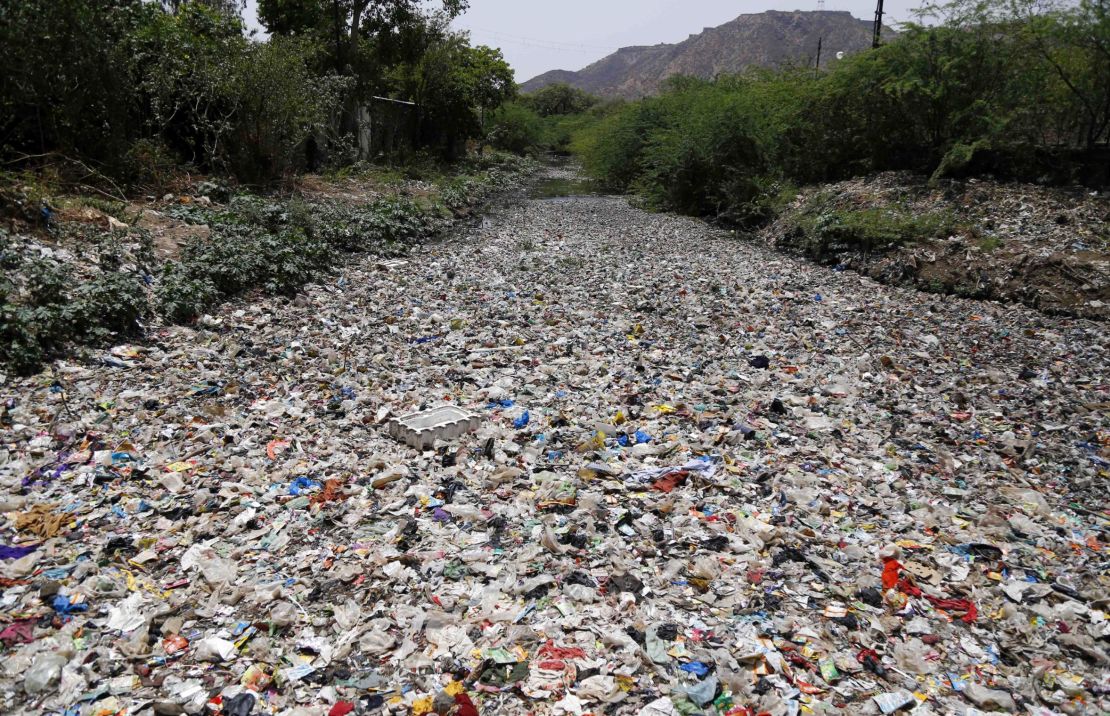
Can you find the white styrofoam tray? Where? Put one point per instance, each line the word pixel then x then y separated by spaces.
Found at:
pixel 422 429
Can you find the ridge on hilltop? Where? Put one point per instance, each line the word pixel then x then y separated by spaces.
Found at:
pixel 767 39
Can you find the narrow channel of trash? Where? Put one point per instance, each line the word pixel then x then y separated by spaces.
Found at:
pixel 664 473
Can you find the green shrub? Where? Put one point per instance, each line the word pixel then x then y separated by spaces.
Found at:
pixel 702 167
pixel 291 259
pixel 612 148
pixel 955 162
pixel 558 131
pixel 21 351
pixel 255 243
pixel 229 258
pixel 181 297
pixel 396 221
pixel 516 128
pixel 47 282
pixel 280 104
pixel 458 193
pixel 385 225
pixel 990 88
pixel 559 99
pixel 989 243
pixel 108 306
pixel 150 164
pixel 51 309
pixel 822 232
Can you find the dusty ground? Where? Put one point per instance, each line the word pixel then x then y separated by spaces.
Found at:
pixel 169 232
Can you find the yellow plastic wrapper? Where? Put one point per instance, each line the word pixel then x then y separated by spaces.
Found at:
pixel 422 706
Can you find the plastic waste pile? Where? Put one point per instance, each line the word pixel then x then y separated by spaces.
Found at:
pixel 703 479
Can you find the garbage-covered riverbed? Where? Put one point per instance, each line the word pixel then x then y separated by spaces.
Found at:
pixel 706 479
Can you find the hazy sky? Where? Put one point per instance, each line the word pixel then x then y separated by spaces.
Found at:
pixel 541 35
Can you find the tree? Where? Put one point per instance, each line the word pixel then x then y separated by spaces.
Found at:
pixel 180 64
pixel 346 22
pixel 280 104
pixel 453 85
pixel 1048 64
pixel 64 84
pixel 560 98
pixel 516 128
pixel 354 31
pixel 488 78
pixel 231 8
pixel 1074 41
pixel 297 17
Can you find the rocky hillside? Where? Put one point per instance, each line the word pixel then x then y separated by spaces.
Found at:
pixel 766 39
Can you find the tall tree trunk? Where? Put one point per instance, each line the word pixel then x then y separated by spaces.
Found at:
pixel 348 120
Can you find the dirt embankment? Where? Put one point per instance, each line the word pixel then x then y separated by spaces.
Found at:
pixel 1047 248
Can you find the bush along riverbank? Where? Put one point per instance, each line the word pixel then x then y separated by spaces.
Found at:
pixel 83 272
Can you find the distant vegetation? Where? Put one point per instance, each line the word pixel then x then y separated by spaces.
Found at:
pixel 992 88
pixel 545 121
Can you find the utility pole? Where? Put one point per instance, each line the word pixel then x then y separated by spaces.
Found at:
pixel 877 39
pixel 817 65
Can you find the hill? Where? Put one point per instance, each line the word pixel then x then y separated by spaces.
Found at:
pixel 766 39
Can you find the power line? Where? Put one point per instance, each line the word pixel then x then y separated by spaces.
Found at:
pixel 492 39
pixel 395 101
pixel 536 42
pixel 536 39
